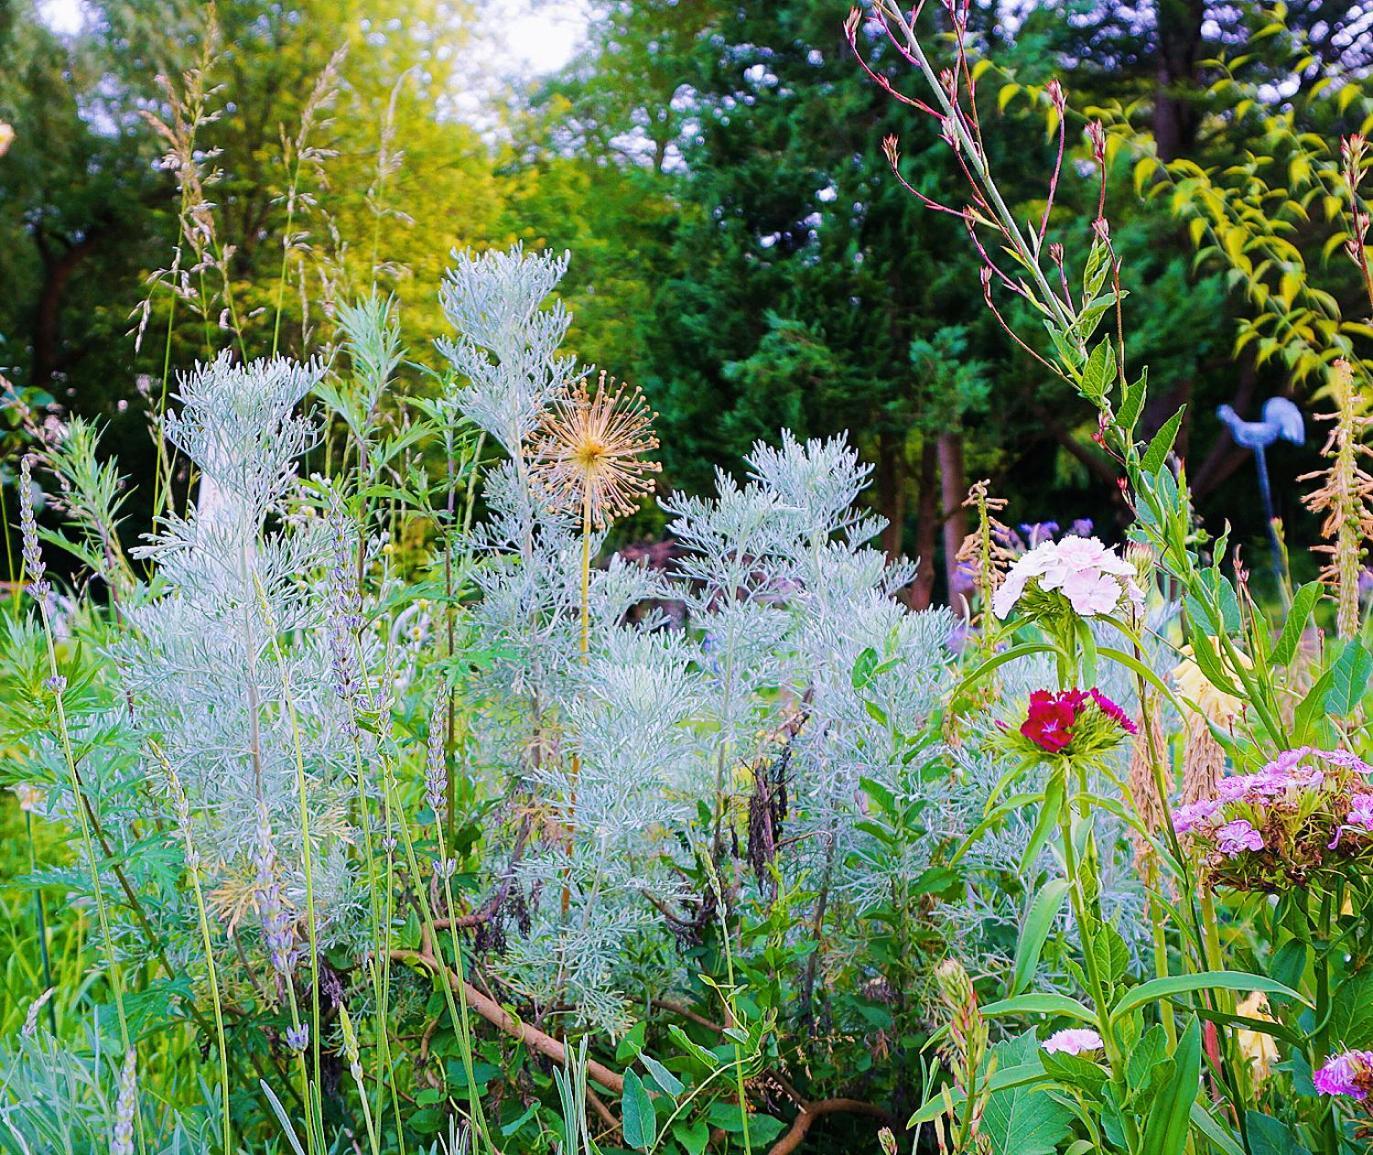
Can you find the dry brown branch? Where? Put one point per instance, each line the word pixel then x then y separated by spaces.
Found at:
pixel 796 1133
pixel 498 1016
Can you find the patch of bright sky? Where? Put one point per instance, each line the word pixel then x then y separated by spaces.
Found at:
pixel 530 42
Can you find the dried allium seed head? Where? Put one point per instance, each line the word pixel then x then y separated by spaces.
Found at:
pixel 587 454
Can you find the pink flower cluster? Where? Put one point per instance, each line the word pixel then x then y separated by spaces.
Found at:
pixel 1052 717
pixel 1090 575
pixel 1074 1041
pixel 1299 806
pixel 1350 1073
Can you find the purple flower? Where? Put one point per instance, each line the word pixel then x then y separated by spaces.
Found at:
pixel 1359 820
pixel 298 1037
pixel 1237 836
pixel 1074 1041
pixel 1114 712
pixel 1347 1074
pixel 1038 531
pixel 1195 814
pixel 1346 761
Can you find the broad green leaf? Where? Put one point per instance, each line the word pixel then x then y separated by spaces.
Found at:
pixel 1039 1003
pixel 1162 444
pixel 639 1122
pixel 692 1136
pixel 1174 985
pixel 1165 1130
pixel 693 1048
pixel 1302 605
pixel 1022 1119
pixel 1100 372
pixel 666 1080
pixel 1022 1075
pixel 1269 1136
pixel 1348 679
pixel 863 668
pixel 1351 1013
pixel 1145 1056
pixel 1035 930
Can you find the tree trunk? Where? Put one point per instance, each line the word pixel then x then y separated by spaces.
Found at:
pixel 926 529
pixel 953 489
pixel 58 269
pixel 891 489
pixel 1176 110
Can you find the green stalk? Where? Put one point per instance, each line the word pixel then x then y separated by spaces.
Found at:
pixel 87 842
pixel 458 1011
pixel 207 943
pixel 43 954
pixel 307 852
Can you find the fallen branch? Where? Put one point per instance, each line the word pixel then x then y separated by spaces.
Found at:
pixel 796 1134
pixel 498 1016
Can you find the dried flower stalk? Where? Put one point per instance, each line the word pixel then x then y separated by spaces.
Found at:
pixel 1343 497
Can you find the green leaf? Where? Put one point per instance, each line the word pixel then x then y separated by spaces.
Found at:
pixel 1145 1057
pixel 863 668
pixel 1022 1119
pixel 1022 1075
pixel 1349 679
pixel 1302 605
pixel 1038 922
pixel 1100 372
pixel 1162 444
pixel 639 1122
pixel 1054 794
pixel 693 1048
pixel 1218 1136
pixel 1039 1003
pixel 1112 953
pixel 692 1136
pixel 665 1079
pixel 1165 1131
pixel 1311 707
pixel 1269 1136
pixel 1351 1012
pixel 1133 404
pixel 1174 985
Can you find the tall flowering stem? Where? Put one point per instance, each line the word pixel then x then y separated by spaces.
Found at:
pixel 40 588
pixel 1344 496
pixel 588 457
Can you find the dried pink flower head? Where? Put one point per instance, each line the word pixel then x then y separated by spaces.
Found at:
pixel 1350 1073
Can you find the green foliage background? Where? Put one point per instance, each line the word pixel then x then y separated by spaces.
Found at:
pixel 740 249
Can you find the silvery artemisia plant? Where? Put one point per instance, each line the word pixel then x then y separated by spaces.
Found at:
pixel 227 661
pixel 609 764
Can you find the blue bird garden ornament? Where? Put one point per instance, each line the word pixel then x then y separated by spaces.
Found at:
pixel 1281 420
